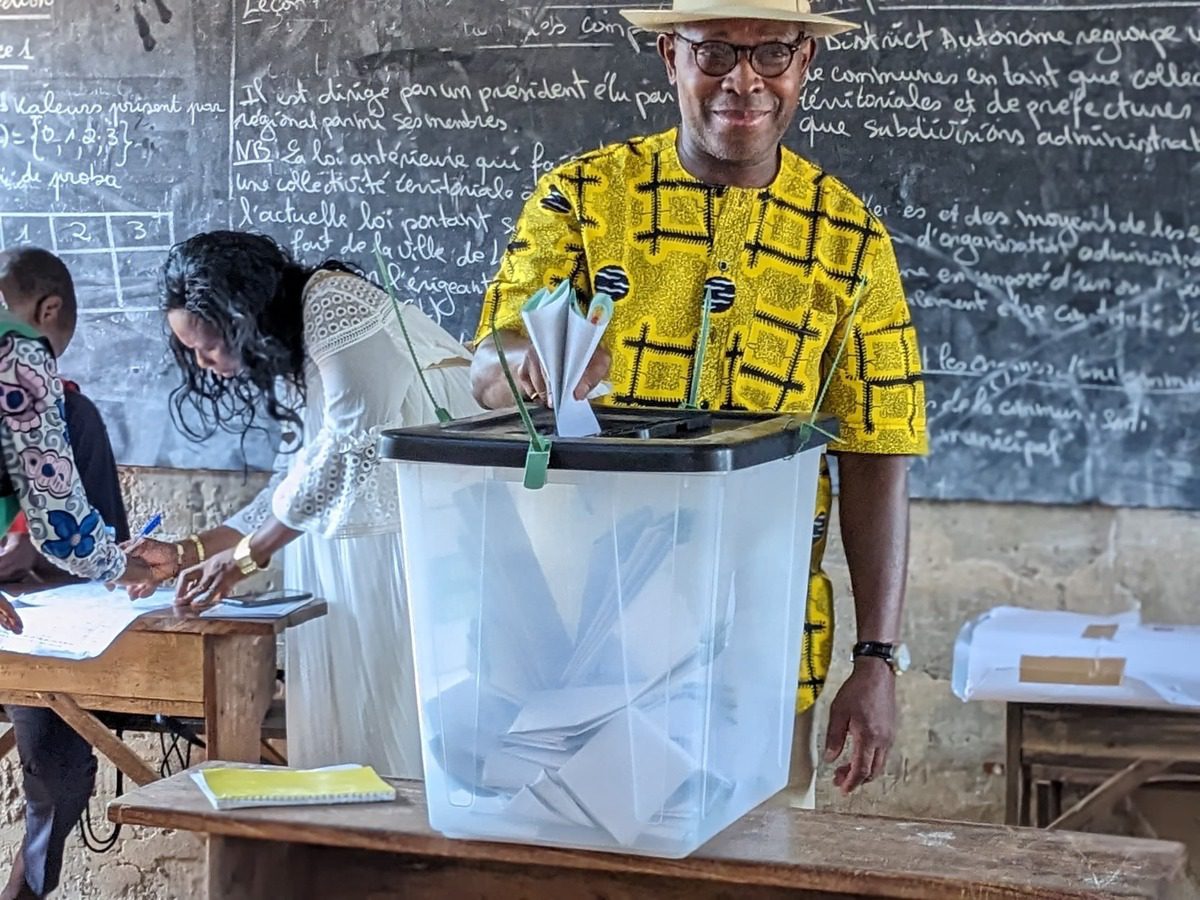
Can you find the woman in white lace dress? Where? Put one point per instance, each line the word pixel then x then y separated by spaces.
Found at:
pixel 323 354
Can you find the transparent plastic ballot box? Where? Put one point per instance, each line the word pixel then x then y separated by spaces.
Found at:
pixel 608 662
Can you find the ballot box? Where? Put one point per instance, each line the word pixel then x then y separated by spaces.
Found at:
pixel 608 662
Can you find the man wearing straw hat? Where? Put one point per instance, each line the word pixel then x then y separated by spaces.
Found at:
pixel 714 228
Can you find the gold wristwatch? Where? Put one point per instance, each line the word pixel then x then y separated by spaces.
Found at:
pixel 241 555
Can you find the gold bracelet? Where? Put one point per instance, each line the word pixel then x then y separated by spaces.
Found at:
pixel 200 555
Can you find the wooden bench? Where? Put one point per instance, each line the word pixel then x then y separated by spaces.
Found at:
pixel 387 850
pixel 1110 750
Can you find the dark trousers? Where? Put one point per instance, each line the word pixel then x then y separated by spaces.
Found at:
pixel 59 774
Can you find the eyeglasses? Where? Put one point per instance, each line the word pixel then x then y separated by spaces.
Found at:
pixel 718 58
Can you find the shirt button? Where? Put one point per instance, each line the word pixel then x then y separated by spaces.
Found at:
pixel 704 404
pixel 723 266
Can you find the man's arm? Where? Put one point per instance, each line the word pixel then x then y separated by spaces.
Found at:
pixel 543 252
pixel 97 471
pixel 873 507
pixel 63 525
pixel 873 363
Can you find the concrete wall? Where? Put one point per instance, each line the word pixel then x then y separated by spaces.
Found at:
pixel 948 762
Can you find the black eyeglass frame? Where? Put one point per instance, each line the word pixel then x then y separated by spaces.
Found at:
pixel 749 49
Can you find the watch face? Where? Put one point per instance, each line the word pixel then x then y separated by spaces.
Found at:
pixel 901 657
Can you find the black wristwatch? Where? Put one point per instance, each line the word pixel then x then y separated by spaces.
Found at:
pixel 895 655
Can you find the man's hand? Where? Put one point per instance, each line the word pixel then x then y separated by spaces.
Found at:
pixel 531 379
pixel 18 556
pixel 864 711
pixel 492 390
pixel 597 371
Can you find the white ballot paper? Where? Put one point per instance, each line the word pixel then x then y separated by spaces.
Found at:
pixel 589 707
pixel 623 776
pixel 77 621
pixel 565 339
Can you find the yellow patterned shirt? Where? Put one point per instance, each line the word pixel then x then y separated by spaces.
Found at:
pixel 784 267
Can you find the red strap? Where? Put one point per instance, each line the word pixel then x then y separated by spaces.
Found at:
pixel 19 525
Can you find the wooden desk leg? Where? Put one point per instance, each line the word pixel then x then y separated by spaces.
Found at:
pixel 239 681
pixel 1016 806
pixel 1041 804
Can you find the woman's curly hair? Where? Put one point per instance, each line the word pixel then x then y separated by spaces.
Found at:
pixel 249 289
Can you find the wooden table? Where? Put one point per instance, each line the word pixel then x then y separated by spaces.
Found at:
pixel 388 851
pixel 1113 750
pixel 219 670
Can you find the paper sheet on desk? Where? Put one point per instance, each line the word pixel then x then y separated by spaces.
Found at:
pixel 91 592
pixel 565 339
pixel 79 627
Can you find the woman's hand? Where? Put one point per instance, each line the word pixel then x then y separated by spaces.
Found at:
pixel 9 618
pixel 208 583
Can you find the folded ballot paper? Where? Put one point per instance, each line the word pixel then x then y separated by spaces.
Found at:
pixel 246 786
pixel 588 711
pixel 565 339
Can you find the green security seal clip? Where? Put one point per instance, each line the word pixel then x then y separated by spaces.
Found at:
pixel 537 464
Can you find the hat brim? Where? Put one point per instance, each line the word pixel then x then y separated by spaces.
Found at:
pixel 665 19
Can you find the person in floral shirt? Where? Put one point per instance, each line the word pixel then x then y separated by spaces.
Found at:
pixel 40 479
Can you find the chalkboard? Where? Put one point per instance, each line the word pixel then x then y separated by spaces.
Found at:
pixel 1036 163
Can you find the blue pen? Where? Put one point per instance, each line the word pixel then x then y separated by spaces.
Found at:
pixel 147 530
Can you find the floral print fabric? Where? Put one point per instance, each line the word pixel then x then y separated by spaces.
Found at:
pixel 40 466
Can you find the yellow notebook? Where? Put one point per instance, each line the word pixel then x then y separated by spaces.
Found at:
pixel 273 786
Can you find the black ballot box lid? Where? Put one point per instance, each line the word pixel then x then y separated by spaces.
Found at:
pixel 630 440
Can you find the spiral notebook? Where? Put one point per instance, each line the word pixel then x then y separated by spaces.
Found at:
pixel 273 786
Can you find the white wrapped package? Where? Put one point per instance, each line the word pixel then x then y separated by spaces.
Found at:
pixel 1037 656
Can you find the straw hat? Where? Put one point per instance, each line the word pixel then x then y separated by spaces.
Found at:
pixel 705 10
